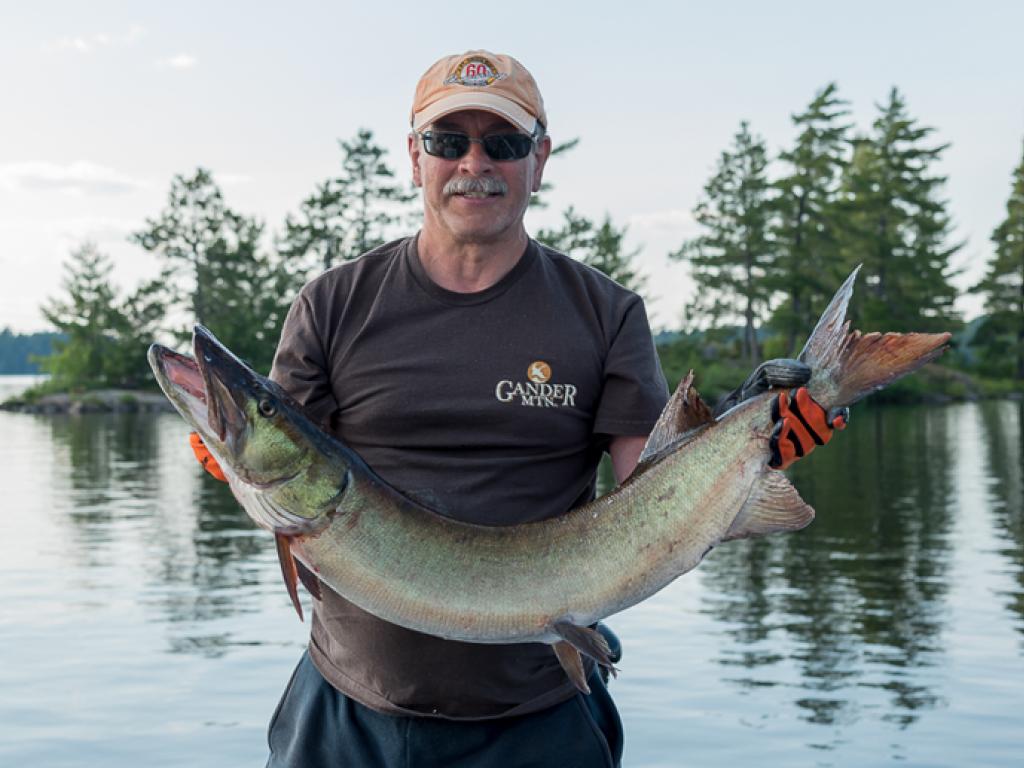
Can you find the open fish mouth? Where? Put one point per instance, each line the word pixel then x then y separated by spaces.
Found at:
pixel 181 380
pixel 207 389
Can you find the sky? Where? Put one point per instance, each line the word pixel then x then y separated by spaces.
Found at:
pixel 102 103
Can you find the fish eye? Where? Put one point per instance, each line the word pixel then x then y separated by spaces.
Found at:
pixel 266 407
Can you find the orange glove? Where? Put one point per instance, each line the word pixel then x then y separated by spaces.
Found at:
pixel 800 425
pixel 204 457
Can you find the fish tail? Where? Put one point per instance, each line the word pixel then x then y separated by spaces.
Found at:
pixel 849 365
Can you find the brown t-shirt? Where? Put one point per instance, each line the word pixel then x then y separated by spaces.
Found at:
pixel 491 407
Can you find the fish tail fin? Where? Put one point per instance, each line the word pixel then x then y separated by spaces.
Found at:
pixel 856 364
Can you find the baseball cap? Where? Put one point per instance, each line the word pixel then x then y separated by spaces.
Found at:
pixel 492 82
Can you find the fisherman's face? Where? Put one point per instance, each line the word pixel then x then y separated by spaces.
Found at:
pixel 478 217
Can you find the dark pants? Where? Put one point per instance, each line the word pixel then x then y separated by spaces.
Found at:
pixel 315 726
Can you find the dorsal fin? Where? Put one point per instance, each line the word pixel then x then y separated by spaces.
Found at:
pixel 773 505
pixel 683 412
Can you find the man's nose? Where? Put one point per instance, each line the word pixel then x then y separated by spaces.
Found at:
pixel 476 161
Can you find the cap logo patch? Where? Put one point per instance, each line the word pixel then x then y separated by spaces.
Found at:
pixel 474 70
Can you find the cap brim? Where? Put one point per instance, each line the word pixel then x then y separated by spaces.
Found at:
pixel 487 102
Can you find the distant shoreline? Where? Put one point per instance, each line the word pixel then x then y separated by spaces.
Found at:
pixel 96 401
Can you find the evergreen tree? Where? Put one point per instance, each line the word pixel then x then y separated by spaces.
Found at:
pixel 730 261
pixel 807 257
pixel 599 247
pixel 194 225
pixel 573 238
pixel 320 228
pixel 251 292
pixel 537 199
pixel 349 214
pixel 895 223
pixel 214 272
pixel 1003 284
pixel 374 193
pixel 100 344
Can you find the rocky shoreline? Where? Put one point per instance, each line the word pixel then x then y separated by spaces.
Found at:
pixel 98 401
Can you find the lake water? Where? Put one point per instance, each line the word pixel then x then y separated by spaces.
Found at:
pixel 144 620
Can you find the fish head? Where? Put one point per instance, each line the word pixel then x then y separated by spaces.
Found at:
pixel 257 433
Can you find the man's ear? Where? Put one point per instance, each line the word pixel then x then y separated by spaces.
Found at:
pixel 541 155
pixel 414 157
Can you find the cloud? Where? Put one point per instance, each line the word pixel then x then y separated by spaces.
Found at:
pixel 232 179
pixel 674 220
pixel 90 43
pixel 79 178
pixel 180 61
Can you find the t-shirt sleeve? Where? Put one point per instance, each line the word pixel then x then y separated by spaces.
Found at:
pixel 634 391
pixel 300 363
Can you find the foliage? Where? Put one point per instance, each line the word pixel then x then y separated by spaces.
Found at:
pixel 103 340
pixel 805 229
pixel 730 261
pixel 1003 285
pixel 214 272
pixel 896 224
pixel 19 352
pixel 349 214
pixel 717 372
pixel 537 200
pixel 600 247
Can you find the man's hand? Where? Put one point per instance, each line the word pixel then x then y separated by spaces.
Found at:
pixel 771 374
pixel 800 425
pixel 204 457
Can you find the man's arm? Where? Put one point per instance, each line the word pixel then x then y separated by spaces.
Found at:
pixel 625 451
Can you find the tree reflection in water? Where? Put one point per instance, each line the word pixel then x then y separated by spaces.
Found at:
pixel 856 599
pixel 1004 452
pixel 159 521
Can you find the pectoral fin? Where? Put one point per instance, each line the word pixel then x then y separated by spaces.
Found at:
pixel 773 505
pixel 572 663
pixel 576 640
pixel 288 570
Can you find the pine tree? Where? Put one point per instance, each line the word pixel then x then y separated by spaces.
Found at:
pixel 1003 284
pixel 319 230
pixel 375 196
pixel 599 247
pixel 103 342
pixel 730 261
pixel 573 238
pixel 194 225
pixel 538 200
pixel 349 214
pixel 808 260
pixel 896 224
pixel 214 271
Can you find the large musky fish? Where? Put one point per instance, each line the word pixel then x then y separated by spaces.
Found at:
pixel 701 481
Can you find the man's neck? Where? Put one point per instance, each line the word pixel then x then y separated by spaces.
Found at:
pixel 468 267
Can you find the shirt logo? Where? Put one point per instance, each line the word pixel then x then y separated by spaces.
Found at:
pixel 539 372
pixel 474 70
pixel 539 391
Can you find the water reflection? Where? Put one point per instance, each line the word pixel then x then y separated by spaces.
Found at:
pixel 856 600
pixel 1004 452
pixel 180 534
pixel 902 606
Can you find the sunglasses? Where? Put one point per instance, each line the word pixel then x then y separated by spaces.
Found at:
pixel 498 146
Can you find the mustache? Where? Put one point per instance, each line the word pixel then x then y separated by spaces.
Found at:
pixel 468 185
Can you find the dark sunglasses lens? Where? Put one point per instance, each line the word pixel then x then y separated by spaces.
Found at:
pixel 450 146
pixel 508 146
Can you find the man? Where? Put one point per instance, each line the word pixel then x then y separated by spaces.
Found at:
pixel 484 375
